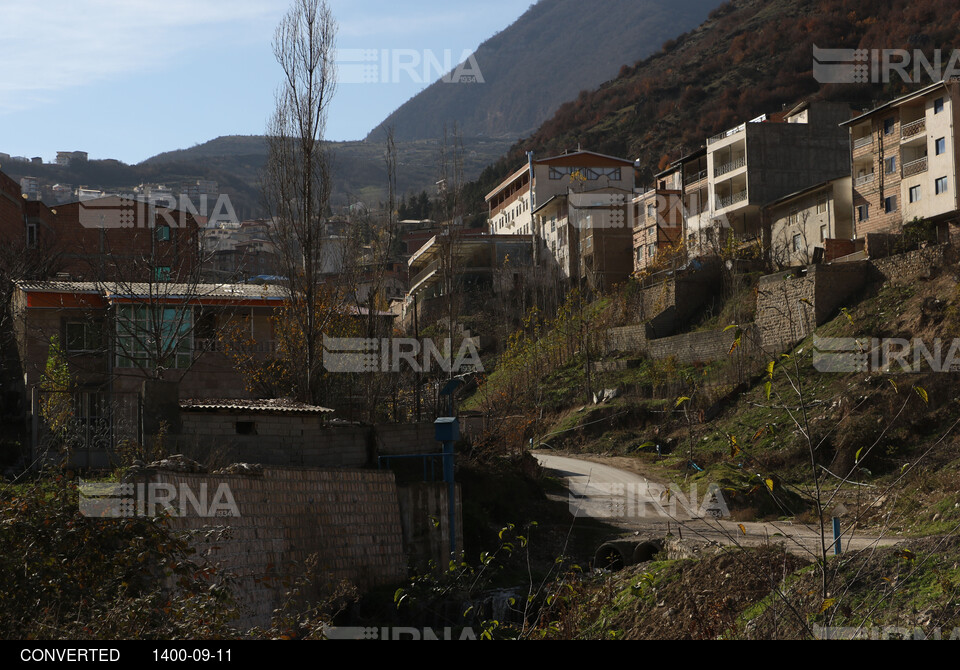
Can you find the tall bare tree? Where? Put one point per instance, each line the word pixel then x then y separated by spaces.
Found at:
pixel 296 180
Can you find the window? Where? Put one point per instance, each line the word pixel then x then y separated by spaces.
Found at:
pixel 890 204
pixel 82 336
pixel 863 212
pixel 941 185
pixel 821 204
pixel 889 125
pixel 914 194
pixel 797 242
pixel 938 105
pixel 163 233
pixel 146 332
pixel 31 236
pixel 651 210
pixel 823 232
pixel 162 273
pixel 941 146
pixel 794 217
pixel 890 165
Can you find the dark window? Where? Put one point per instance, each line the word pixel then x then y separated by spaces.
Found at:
pixel 246 427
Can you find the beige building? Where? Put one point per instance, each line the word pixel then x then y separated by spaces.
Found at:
pixel 819 217
pixel 905 159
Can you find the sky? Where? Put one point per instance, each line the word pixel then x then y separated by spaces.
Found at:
pixel 128 79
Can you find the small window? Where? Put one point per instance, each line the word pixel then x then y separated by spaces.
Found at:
pixel 823 233
pixel 941 185
pixel 889 125
pixel 162 273
pixel 890 165
pixel 797 242
pixel 246 427
pixel 822 204
pixel 890 204
pixel 938 105
pixel 914 194
pixel 863 212
pixel 82 337
pixel 31 236
pixel 941 145
pixel 163 233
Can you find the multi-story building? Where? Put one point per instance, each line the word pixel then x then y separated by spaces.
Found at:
pixel 576 206
pixel 115 239
pixel 67 157
pixel 658 219
pixel 758 162
pixel 905 159
pixel 30 187
pixel 818 217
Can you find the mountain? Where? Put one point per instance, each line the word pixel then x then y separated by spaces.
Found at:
pixel 553 51
pixel 750 57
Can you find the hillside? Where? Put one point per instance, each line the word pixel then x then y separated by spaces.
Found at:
pixel 235 163
pixel 551 53
pixel 750 57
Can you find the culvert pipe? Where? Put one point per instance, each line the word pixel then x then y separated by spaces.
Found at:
pixel 617 554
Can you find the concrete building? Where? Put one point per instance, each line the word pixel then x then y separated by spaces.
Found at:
pixel 30 188
pixel 905 159
pixel 818 217
pixel 658 219
pixel 758 162
pixel 66 157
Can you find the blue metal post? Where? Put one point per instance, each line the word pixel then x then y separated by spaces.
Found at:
pixel 447 431
pixel 836 535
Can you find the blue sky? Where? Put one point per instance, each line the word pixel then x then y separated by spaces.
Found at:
pixel 128 79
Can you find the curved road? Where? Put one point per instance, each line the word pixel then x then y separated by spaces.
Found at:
pixel 634 503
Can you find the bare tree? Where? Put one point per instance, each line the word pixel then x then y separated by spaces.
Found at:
pixel 296 180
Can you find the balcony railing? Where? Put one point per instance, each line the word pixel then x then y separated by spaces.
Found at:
pixel 433 266
pixel 913 128
pixel 914 167
pixel 861 142
pixel 733 199
pixel 212 345
pixel 727 133
pixel 695 177
pixel 864 179
pixel 728 167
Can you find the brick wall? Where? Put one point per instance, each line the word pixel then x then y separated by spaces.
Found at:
pixel 790 305
pixel 699 347
pixel 912 264
pixel 295 439
pixel 349 519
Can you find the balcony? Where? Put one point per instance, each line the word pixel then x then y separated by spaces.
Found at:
pixel 862 142
pixel 726 134
pixel 694 177
pixel 732 199
pixel 913 129
pixel 914 167
pixel 865 179
pixel 730 167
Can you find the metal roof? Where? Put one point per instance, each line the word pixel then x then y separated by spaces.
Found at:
pixel 279 405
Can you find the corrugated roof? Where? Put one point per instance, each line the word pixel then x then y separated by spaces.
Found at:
pixel 158 290
pixel 274 405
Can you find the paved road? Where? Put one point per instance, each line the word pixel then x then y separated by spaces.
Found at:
pixel 634 503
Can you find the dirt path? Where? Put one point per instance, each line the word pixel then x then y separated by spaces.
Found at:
pixel 603 488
